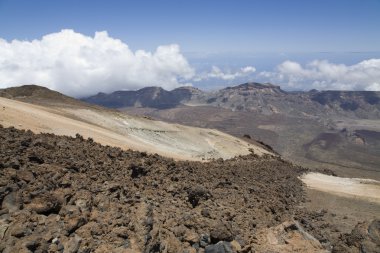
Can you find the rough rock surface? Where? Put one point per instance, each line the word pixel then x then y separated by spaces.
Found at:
pixel 64 194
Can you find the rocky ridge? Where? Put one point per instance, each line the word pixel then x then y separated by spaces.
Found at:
pixel 65 194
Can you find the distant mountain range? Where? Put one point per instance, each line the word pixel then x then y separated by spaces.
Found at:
pixel 255 97
pixel 154 97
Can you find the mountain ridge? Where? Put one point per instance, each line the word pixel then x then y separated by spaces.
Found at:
pixel 252 96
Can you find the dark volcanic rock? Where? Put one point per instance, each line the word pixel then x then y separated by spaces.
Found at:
pixel 171 206
pixel 363 238
pixel 45 204
pixel 221 232
pixel 374 231
pixel 220 247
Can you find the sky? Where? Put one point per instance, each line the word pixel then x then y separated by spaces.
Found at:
pixel 82 47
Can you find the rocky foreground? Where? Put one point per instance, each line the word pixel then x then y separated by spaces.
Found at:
pixel 64 194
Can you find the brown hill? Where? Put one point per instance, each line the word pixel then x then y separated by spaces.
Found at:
pixel 40 95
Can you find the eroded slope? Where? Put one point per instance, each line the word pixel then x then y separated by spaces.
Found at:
pixel 128 132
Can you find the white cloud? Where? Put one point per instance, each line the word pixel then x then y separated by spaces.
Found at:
pixel 217 73
pixel 80 65
pixel 248 69
pixel 323 75
pixel 373 87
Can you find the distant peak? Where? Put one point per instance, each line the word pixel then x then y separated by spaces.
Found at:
pixel 188 88
pixel 255 86
pixel 152 89
pixel 27 90
pixel 29 87
pixel 37 94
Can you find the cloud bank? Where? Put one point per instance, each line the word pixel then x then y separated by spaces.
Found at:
pixel 80 65
pixel 217 73
pixel 324 75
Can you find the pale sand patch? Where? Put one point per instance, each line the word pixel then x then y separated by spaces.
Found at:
pixel 128 132
pixel 270 127
pixel 366 189
pixel 362 124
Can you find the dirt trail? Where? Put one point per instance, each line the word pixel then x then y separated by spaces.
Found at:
pixel 127 132
pixel 366 189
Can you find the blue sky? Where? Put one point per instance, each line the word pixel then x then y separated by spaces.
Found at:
pixel 206 26
pixel 226 34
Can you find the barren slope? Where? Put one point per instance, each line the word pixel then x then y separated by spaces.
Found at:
pixel 116 129
pixel 365 189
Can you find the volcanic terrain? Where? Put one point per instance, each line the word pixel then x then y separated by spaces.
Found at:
pixel 69 182
pixel 65 194
pixel 335 129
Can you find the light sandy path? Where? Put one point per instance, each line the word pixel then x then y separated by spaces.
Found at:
pixel 365 189
pixel 128 132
